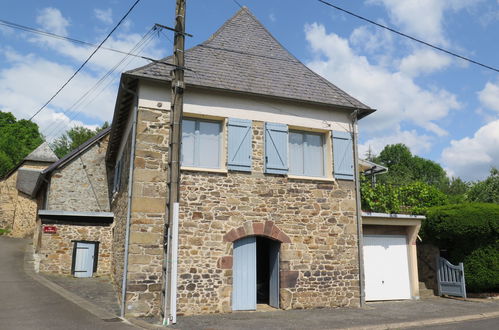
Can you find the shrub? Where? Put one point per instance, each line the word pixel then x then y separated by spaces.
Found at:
pixel 413 198
pixel 470 234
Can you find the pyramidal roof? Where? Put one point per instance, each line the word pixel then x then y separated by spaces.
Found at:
pixel 42 154
pixel 242 56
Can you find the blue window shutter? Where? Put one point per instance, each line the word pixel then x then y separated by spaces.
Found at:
pixel 343 155
pixel 239 145
pixel 276 148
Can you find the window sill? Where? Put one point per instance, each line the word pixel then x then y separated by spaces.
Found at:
pixel 311 178
pixel 203 169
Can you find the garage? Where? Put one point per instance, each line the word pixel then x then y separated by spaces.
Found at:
pixel 386 267
pixel 389 254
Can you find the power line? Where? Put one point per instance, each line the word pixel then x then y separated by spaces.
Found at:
pixel 57 36
pixel 408 36
pixel 86 61
pixel 139 47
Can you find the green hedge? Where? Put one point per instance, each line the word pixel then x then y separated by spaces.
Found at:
pixel 470 234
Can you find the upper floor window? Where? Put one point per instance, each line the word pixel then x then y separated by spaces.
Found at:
pixel 201 143
pixel 306 154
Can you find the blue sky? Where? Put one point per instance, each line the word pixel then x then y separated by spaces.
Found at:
pixel 443 108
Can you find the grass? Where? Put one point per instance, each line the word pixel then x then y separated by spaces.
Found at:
pixel 3 231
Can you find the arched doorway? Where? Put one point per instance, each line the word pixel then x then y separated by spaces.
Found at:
pixel 255 273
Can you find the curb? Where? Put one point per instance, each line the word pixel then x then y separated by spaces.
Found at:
pixel 428 322
pixel 77 300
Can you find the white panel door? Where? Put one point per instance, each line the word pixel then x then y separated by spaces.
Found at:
pixel 84 259
pixel 386 267
pixel 244 274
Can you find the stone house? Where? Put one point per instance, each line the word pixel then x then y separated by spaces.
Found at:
pixel 74 227
pixel 17 206
pixel 268 207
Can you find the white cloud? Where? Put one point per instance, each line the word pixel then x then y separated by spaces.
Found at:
pixel 272 17
pixel 472 157
pixel 489 96
pixel 423 61
pixel 51 20
pixel 372 40
pixel 422 18
pixel 395 94
pixel 104 15
pixel 103 59
pixel 29 81
pixel 416 142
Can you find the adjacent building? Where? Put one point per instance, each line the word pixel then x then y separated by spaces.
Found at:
pixel 17 206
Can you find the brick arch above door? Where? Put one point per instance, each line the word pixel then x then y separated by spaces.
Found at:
pixel 265 229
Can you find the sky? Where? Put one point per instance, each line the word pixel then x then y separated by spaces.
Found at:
pixel 443 108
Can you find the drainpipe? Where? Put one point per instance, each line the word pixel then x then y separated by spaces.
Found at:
pixel 358 208
pixel 129 209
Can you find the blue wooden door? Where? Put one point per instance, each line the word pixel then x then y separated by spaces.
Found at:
pixel 244 274
pixel 84 259
pixel 274 274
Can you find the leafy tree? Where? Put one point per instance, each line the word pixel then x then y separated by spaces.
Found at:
pixel 73 138
pixel 486 191
pixel 404 167
pixel 456 190
pixel 17 139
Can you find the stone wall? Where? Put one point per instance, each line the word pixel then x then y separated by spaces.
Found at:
pixel 55 252
pixel 8 201
pixel 119 206
pixel 81 185
pixel 319 262
pixel 18 210
pixel 315 220
pixel 427 265
pixel 147 214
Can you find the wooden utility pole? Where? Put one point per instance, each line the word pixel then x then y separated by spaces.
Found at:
pixel 177 103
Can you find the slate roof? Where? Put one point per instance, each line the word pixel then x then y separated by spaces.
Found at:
pixel 42 154
pixel 242 56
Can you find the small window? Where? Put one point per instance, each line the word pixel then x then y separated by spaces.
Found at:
pixel 117 176
pixel 306 154
pixel 201 143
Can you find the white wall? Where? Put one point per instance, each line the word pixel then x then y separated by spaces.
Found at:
pixel 227 105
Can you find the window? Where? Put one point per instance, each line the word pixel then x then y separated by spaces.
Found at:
pixel 117 176
pixel 201 143
pixel 306 154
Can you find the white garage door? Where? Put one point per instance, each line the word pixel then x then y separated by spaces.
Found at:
pixel 386 267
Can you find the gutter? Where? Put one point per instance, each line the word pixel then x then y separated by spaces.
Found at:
pixel 358 209
pixel 129 202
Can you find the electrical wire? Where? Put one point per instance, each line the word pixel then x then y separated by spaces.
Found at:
pixel 86 61
pixel 58 36
pixel 139 47
pixel 408 36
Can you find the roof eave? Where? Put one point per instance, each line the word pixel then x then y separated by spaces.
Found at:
pixel 363 112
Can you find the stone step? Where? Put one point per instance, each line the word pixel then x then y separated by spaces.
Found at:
pixel 424 292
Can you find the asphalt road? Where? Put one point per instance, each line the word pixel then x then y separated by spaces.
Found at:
pixel 27 304
pixel 486 324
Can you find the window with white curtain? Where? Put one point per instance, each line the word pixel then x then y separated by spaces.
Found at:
pixel 201 143
pixel 306 153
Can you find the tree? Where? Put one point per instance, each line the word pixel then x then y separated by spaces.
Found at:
pixel 456 190
pixel 486 191
pixel 17 139
pixel 404 168
pixel 73 138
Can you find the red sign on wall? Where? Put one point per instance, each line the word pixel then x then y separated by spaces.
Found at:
pixel 49 229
